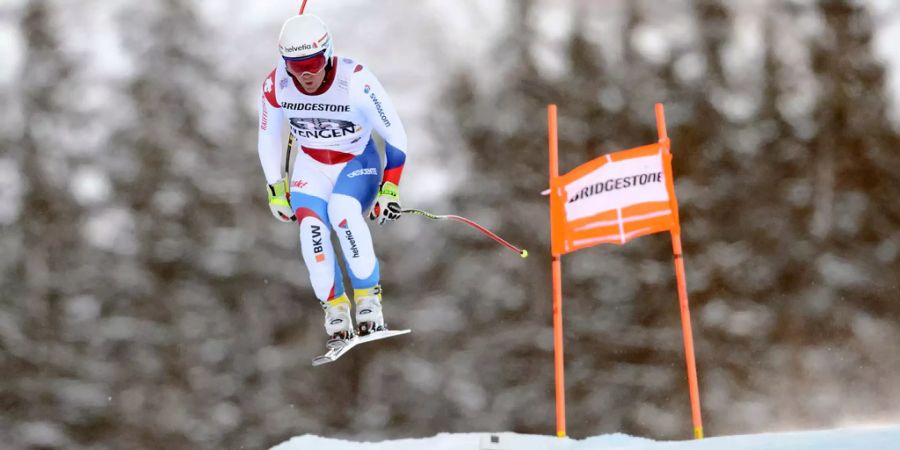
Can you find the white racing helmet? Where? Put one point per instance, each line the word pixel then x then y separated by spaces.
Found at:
pixel 304 35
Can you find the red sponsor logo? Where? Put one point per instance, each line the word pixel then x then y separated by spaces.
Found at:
pixel 299 184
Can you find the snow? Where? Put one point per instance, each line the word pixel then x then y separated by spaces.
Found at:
pixel 840 439
pixel 111 229
pixel 90 185
pixel 10 191
pixel 11 43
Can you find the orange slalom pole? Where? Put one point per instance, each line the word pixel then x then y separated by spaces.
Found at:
pixel 688 336
pixel 661 124
pixel 686 330
pixel 302 6
pixel 556 268
pixel 558 348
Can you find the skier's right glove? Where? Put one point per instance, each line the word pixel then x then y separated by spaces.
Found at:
pixel 279 203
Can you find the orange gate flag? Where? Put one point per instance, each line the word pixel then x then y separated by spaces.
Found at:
pixel 613 199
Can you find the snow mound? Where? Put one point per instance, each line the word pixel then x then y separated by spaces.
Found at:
pixel 886 438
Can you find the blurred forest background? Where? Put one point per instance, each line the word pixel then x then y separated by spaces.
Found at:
pixel 149 300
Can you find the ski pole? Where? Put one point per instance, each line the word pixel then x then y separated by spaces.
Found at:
pixel 287 158
pixel 522 252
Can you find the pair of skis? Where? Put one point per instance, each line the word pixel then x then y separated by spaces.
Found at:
pixel 342 347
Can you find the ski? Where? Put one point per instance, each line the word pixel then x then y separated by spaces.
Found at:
pixel 345 346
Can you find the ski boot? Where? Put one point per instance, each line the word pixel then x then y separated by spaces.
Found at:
pixel 338 323
pixel 368 310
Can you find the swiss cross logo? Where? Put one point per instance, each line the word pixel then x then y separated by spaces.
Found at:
pixel 268 85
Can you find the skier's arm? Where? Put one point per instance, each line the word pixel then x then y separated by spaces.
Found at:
pixel 371 98
pixel 271 119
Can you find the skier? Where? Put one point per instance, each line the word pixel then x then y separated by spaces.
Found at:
pixel 331 105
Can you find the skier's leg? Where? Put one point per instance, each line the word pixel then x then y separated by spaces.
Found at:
pixel 354 192
pixel 309 190
pixel 356 240
pixel 315 246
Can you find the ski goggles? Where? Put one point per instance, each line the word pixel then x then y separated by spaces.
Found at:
pixel 311 64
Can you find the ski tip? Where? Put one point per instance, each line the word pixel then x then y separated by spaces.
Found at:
pixel 390 333
pixel 323 359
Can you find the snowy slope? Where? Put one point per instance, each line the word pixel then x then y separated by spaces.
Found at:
pixel 846 439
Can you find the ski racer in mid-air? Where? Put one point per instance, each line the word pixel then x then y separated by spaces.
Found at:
pixel 331 106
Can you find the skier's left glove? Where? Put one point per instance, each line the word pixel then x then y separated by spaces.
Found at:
pixel 279 201
pixel 387 206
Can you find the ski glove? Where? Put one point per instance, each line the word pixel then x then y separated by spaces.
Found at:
pixel 279 203
pixel 387 206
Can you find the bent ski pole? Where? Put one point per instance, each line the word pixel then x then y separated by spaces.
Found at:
pixel 522 252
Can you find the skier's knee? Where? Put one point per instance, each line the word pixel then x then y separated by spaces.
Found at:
pixel 341 207
pixel 308 206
